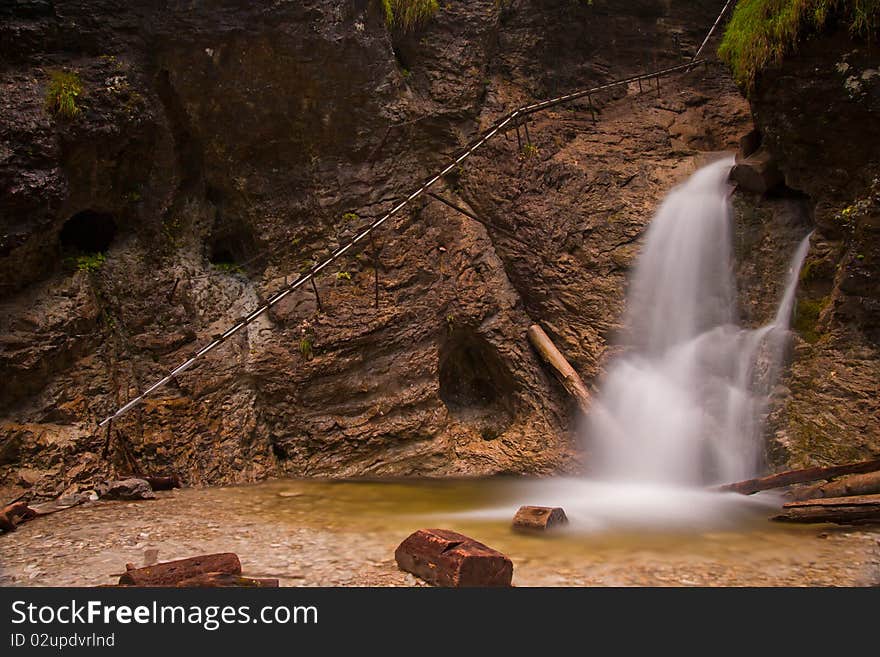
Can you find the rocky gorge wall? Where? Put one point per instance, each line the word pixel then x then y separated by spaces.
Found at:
pixel 223 147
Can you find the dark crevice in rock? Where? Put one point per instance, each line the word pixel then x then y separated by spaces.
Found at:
pixel 88 231
pixel 187 147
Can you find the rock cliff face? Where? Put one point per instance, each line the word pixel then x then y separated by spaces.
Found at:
pixel 221 149
pixel 819 112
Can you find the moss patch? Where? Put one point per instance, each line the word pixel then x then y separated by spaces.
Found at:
pixel 62 93
pixel 806 318
pixel 762 32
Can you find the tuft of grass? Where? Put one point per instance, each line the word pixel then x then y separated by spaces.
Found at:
pixel 63 90
pixel 762 32
pixel 88 262
pixel 407 15
pixel 228 267
pixel 529 151
pixel 343 276
pixel 305 348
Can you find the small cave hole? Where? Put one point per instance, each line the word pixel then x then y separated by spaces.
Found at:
pixel 227 254
pixel 88 232
pixel 476 385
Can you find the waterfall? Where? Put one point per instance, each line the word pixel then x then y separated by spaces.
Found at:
pixel 683 404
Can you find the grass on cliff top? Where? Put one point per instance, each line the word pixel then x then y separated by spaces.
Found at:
pixel 406 15
pixel 64 88
pixel 762 32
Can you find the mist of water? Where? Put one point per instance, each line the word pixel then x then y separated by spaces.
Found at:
pixel 683 405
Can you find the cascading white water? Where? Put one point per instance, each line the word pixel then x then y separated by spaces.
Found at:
pixel 683 405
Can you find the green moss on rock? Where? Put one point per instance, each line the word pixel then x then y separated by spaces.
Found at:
pixel 806 318
pixel 762 32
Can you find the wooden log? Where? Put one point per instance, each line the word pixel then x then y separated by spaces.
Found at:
pixel 14 514
pixel 170 573
pixel 860 484
pixel 445 558
pixel 539 518
pixel 563 370
pixel 164 482
pixel 856 510
pixel 803 476
pixel 218 580
pixel 20 511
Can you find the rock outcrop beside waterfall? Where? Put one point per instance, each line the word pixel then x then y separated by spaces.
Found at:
pixel 819 114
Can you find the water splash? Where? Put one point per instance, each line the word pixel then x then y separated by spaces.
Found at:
pixel 683 406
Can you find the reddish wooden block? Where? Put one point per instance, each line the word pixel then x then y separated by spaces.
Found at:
pixel 172 573
pixel 445 558
pixel 539 518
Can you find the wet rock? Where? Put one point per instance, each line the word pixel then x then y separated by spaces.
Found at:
pixel 757 173
pixel 748 144
pixel 126 489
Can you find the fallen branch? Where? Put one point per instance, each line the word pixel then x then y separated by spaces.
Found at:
pixel 859 484
pixel 171 573
pixel 563 370
pixel 803 476
pixel 840 510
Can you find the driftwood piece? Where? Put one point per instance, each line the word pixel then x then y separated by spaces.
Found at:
pixel 803 476
pixel 54 506
pixel 163 482
pixel 445 558
pixel 539 518
pixel 859 509
pixel 860 484
pixel 14 514
pixel 218 580
pixel 563 370
pixel 170 573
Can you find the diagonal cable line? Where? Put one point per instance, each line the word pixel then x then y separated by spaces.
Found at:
pixel 512 119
